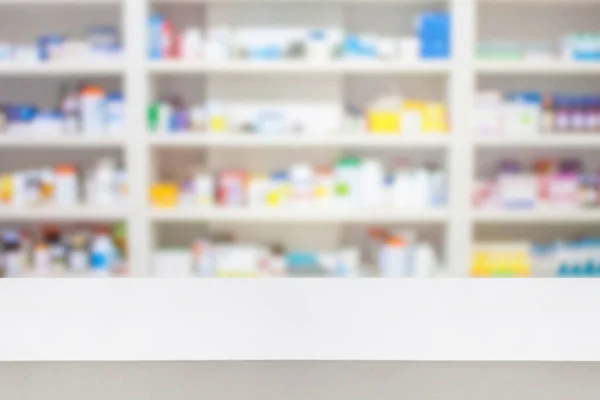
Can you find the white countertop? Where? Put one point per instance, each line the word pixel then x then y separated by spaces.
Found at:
pixel 299 319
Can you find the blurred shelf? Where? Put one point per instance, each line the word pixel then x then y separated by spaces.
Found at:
pixel 63 68
pixel 562 216
pixel 299 67
pixel 183 140
pixel 537 67
pixel 299 215
pixel 83 213
pixel 61 142
pixel 570 140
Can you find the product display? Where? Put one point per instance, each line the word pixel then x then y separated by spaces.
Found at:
pixel 548 184
pixel 84 109
pixel 531 113
pixel 64 185
pixel 385 115
pixel 581 46
pixel 571 258
pixel 430 41
pixel 352 182
pixel 50 251
pixel 392 255
pixel 101 43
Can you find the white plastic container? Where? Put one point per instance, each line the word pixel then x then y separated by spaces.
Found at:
pixel 115 113
pixel 204 186
pixel 191 44
pixel 65 186
pixel 93 110
pixel 104 183
pixel 258 187
pixel 402 187
pixel 371 183
pixel 303 184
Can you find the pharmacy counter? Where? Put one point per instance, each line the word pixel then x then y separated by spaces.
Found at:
pixel 299 319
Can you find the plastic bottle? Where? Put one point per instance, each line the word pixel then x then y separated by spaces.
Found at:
pixel 596 114
pixel 191 43
pixel 347 180
pixel 392 258
pixel 154 39
pixel 42 260
pixel 115 113
pixel 71 111
pixel 93 110
pixel 65 185
pixel 371 183
pixel 402 185
pixel 547 120
pixel 56 247
pixel 103 253
pixel 78 253
pixel 11 257
pixel 204 186
pixel 303 183
pixel 577 114
pixel 561 120
pixel 104 188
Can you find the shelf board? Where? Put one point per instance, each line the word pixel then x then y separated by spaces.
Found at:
pixel 61 142
pixel 78 68
pixel 64 214
pixel 537 67
pixel 570 140
pixel 562 216
pixel 299 67
pixel 298 215
pixel 184 140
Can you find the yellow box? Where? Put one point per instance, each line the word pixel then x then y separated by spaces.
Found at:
pixel 164 195
pixel 6 188
pixel 217 123
pixel 434 118
pixel 383 122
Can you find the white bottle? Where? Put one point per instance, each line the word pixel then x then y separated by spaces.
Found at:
pixel 191 44
pixel 204 188
pixel 104 183
pixel 115 113
pixel 93 111
pixel 303 184
pixel 371 183
pixel 65 186
pixel 42 260
pixel 402 187
pixel 425 261
pixel 422 188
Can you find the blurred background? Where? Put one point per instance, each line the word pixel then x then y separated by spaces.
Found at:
pixel 299 138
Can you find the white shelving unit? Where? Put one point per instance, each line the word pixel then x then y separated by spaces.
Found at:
pixel 455 81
